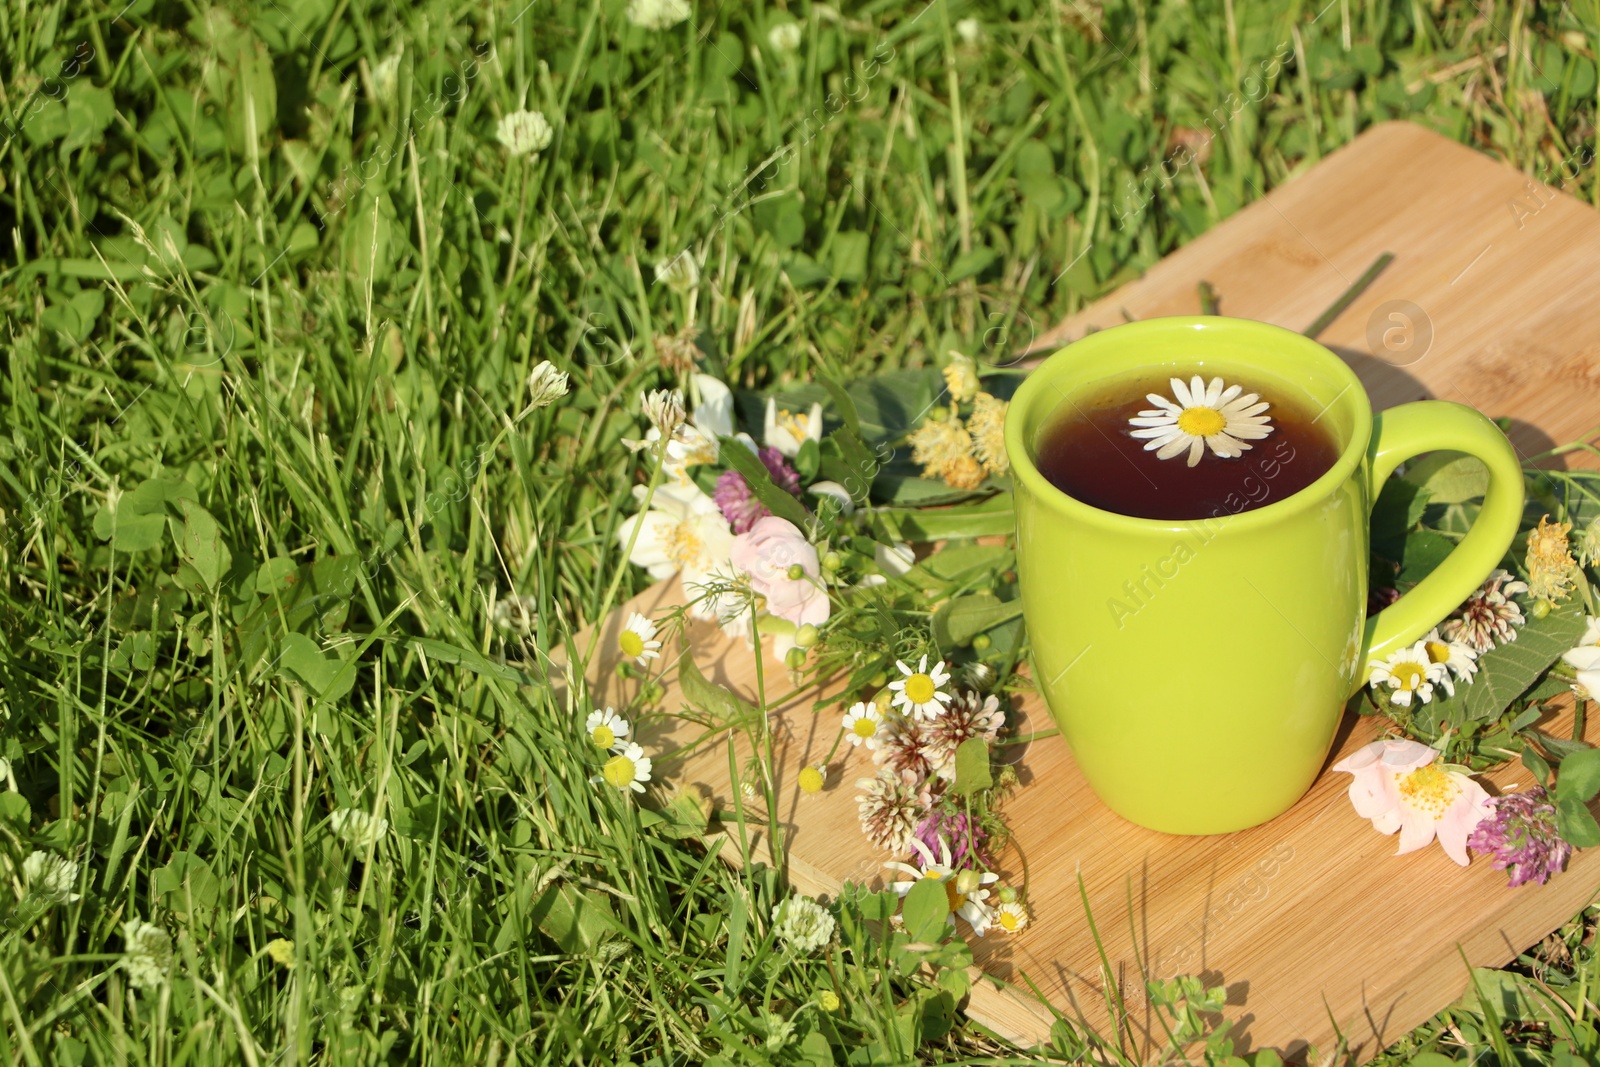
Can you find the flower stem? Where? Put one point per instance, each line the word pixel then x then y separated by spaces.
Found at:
pixel 1349 295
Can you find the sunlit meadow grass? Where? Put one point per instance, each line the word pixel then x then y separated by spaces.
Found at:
pixel 273 257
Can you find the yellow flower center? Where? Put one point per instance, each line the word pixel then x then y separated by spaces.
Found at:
pixel 605 737
pixel 1438 651
pixel 1430 789
pixel 864 727
pixel 632 644
pixel 618 770
pixel 794 423
pixel 810 780
pixel 953 895
pixel 683 545
pixel 1201 422
pixel 1409 675
pixel 1008 922
pixel 919 689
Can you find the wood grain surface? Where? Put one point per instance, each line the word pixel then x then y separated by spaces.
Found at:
pixel 1310 921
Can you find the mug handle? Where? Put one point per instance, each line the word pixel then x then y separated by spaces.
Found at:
pixel 1426 426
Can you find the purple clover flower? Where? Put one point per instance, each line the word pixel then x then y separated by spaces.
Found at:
pixel 739 505
pixel 1521 834
pixel 959 833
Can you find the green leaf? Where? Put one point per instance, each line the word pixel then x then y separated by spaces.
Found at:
pixel 972 766
pixel 814 1050
pixel 200 543
pixel 577 920
pixel 1575 822
pixel 136 520
pixel 186 877
pixel 723 705
pixel 1449 477
pixel 847 256
pixel 993 516
pixel 971 264
pixel 1578 775
pixel 756 475
pixel 324 673
pixel 926 911
pixel 962 619
pixel 1508 671
pixel 15 809
pixel 1536 764
pixel 1424 550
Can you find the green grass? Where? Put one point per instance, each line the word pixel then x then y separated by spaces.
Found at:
pixel 307 295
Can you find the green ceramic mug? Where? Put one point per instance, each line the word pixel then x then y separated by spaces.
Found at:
pixel 1211 705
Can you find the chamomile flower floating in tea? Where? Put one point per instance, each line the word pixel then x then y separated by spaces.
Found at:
pixel 863 725
pixel 606 728
pixel 1409 673
pixel 637 640
pixel 921 692
pixel 1205 416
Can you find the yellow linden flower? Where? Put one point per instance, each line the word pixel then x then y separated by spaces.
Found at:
pixel 961 378
pixel 937 443
pixel 1550 564
pixel 963 472
pixel 988 429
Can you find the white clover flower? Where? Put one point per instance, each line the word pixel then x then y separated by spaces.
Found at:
pixel 146 953
pixel 50 877
pixel 664 410
pixel 357 827
pixel 969 31
pixel 785 36
pixel 523 132
pixel 7 774
pixel 658 14
pixel 802 924
pixel 680 272
pixel 546 385
pixel 384 76
pixel 516 612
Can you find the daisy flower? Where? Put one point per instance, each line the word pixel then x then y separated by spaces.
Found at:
pixel 628 769
pixel 1457 657
pixel 606 729
pixel 1411 672
pixel 963 889
pixel 637 640
pixel 1205 416
pixel 863 725
pixel 921 692
pixel 812 779
pixel 1011 917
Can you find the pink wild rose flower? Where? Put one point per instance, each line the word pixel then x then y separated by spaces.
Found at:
pixel 767 552
pixel 1397 785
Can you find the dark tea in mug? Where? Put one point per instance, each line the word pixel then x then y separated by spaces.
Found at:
pixel 1186 447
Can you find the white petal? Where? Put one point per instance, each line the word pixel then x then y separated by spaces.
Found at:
pixel 1173 447
pixel 1181 391
pixel 1196 450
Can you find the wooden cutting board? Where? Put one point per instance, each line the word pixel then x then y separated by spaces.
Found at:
pixel 1310 921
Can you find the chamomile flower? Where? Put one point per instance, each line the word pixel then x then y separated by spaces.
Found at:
pixel 628 769
pixel 1457 657
pixel 1011 917
pixel 812 779
pixel 1205 416
pixel 606 729
pixel 1409 673
pixel 963 889
pixel 863 725
pixel 638 640
pixel 921 692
